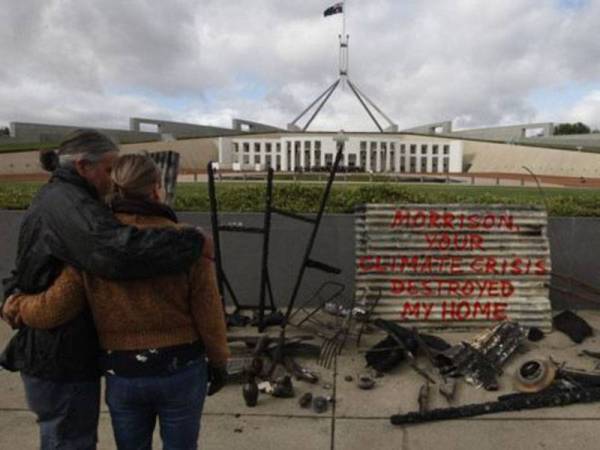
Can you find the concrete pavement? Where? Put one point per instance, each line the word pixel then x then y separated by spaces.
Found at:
pixel 360 419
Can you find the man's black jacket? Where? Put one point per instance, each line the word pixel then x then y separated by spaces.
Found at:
pixel 67 224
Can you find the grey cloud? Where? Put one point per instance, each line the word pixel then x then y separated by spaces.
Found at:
pixel 422 61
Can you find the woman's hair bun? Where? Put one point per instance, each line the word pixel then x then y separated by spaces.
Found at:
pixel 49 160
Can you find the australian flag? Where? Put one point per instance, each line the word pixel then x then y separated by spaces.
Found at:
pixel 334 9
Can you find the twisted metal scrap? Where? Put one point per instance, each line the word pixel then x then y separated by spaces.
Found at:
pixel 481 361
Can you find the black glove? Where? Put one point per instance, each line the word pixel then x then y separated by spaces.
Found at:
pixel 217 377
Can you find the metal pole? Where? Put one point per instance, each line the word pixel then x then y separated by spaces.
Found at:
pixel 313 103
pixel 375 106
pixel 313 236
pixel 214 220
pixel 264 276
pixel 362 102
pixel 343 46
pixel 344 18
pixel 332 89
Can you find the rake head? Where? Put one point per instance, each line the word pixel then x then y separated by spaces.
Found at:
pixel 331 348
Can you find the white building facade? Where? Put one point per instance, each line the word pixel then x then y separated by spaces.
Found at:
pixel 363 152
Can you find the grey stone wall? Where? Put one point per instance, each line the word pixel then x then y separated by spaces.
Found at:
pixel 575 247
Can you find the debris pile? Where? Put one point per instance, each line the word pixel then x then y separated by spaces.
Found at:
pixel 479 362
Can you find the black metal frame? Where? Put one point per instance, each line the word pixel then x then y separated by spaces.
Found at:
pixel 307 261
pixel 265 282
pixel 222 280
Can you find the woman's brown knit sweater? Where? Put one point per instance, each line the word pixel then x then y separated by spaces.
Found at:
pixel 141 314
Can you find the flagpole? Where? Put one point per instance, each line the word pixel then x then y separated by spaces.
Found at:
pixel 344 19
pixel 347 58
pixel 343 80
pixel 343 47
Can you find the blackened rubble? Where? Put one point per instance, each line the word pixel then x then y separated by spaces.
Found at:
pixel 573 326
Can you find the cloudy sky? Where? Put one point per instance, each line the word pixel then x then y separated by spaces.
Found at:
pixel 478 63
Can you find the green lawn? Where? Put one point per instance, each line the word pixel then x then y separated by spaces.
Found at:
pixel 16 147
pixel 305 197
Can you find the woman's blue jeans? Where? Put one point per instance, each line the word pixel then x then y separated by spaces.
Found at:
pixel 177 400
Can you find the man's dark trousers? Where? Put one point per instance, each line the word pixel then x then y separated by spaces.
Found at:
pixel 67 412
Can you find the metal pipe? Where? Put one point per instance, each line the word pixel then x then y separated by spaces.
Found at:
pixel 264 275
pixel 332 89
pixel 375 106
pixel 313 236
pixel 214 221
pixel 362 102
pixel 314 103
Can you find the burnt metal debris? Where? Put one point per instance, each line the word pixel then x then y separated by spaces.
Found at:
pixel 404 344
pixel 423 399
pixel 573 326
pixel 481 361
pixel 283 387
pixel 514 402
pixel 365 381
pixel 534 375
pixel 535 334
pixel 320 405
pixel 560 386
pixel 305 400
pixel 448 388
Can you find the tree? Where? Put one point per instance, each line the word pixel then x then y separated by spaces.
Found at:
pixel 571 128
pixel 4 131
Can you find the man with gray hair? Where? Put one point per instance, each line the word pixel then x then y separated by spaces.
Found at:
pixel 67 223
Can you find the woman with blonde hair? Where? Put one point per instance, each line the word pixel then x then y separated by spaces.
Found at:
pixel 156 334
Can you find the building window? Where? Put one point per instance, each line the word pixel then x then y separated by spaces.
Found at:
pixel 236 147
pixel 288 145
pixel 278 147
pixel 278 162
pixel 383 146
pixel 352 160
pixel 392 146
pixel 246 159
pixel 297 145
pixel 317 161
pixel 328 159
pixel 434 165
pixel 423 149
pixel 423 165
pixel 246 147
pixel 402 165
pixel 446 149
pixel 307 145
pixel 268 147
pixel 256 147
pixel 363 158
pixel 363 145
pixel 373 146
pixel 434 149
pixel 402 149
pixel 236 158
pixel 256 158
pixel 413 149
pixel 307 161
pixel 268 160
pixel 413 164
pixel 318 146
pixel 446 165
pixel 393 160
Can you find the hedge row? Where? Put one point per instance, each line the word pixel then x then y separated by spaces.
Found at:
pixel 306 198
pixel 295 197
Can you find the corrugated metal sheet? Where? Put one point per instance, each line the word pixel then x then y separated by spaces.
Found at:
pixel 455 266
